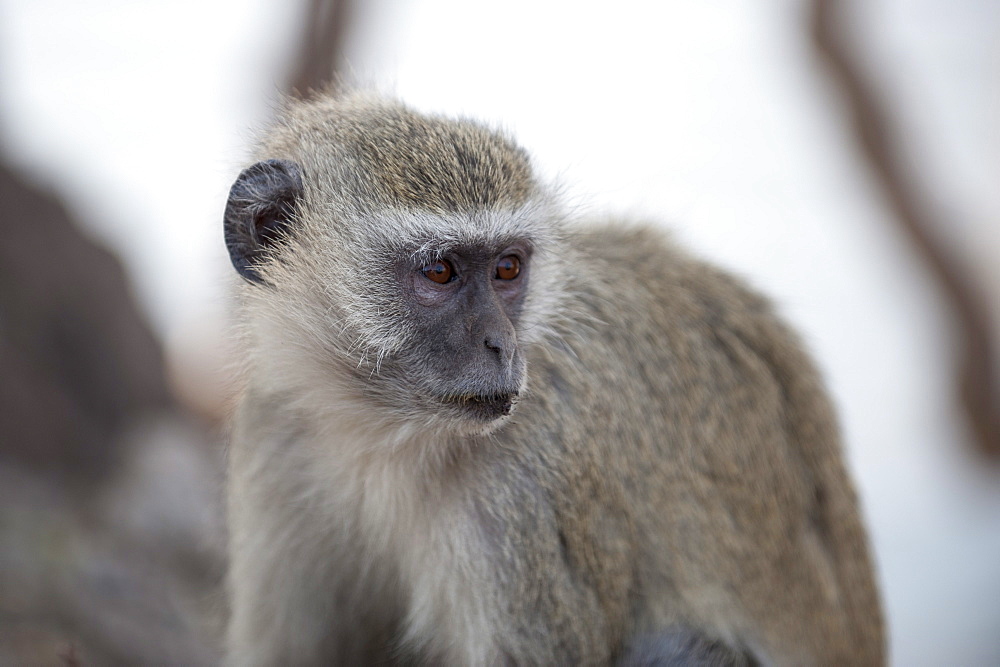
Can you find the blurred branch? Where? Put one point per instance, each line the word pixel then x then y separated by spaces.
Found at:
pixel 877 134
pixel 319 57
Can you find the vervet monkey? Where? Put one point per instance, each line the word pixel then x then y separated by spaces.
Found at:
pixel 473 432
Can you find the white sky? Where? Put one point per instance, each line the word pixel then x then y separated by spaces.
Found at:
pixel 710 117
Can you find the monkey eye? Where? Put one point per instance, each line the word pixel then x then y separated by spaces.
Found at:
pixel 508 267
pixel 440 271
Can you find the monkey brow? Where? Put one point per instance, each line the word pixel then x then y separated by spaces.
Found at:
pixel 434 249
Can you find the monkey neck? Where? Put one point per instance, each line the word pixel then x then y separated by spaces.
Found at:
pixel 343 433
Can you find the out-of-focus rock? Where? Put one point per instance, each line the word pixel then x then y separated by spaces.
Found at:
pixel 77 359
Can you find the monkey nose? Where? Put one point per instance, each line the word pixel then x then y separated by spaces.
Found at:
pixel 503 346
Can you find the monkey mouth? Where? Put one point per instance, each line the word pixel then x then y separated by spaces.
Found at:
pixel 485 407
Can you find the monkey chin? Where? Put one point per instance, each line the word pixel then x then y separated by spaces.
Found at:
pixel 481 415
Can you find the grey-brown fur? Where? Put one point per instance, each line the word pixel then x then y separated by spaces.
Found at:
pixel 386 156
pixel 672 464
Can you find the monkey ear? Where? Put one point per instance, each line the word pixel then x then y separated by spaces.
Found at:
pixel 259 212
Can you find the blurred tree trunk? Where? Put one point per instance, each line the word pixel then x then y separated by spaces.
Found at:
pixel 877 135
pixel 320 53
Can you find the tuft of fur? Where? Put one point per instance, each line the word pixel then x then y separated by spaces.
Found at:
pixel 672 461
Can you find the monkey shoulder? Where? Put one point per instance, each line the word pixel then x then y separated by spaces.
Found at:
pixel 693 368
pixel 682 387
pixel 660 325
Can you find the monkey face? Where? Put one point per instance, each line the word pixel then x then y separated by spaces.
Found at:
pixel 464 305
pixel 423 311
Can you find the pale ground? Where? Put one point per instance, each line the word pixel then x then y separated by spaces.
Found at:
pixel 711 117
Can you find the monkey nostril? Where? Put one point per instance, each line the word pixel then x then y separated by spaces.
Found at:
pixel 497 345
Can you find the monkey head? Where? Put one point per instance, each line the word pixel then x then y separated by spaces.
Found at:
pixel 395 260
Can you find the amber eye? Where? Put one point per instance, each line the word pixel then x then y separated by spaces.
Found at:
pixel 440 271
pixel 508 267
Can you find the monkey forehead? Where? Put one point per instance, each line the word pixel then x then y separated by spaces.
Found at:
pixel 378 154
pixel 440 167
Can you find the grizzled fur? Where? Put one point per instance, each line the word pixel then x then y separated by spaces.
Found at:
pixel 668 488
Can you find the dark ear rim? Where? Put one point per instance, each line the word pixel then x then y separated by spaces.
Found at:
pixel 259 214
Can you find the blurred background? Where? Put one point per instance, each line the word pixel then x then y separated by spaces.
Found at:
pixel 841 155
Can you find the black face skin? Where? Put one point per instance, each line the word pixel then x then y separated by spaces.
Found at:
pixel 465 306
